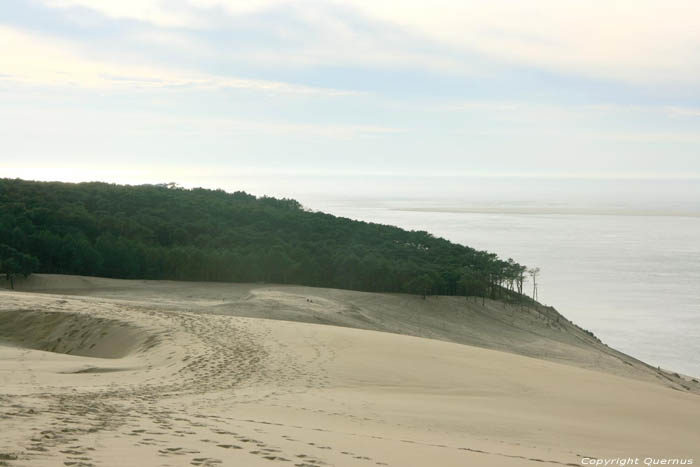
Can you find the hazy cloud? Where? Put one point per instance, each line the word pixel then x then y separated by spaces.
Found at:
pixel 639 41
pixel 32 59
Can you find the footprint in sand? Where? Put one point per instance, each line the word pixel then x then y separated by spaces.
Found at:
pixel 205 461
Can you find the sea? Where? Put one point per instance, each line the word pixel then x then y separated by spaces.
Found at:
pixel 619 257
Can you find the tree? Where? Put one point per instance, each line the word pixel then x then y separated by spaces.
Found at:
pixel 13 262
pixel 534 272
pixel 520 277
pixel 420 285
pixel 169 232
pixel 472 283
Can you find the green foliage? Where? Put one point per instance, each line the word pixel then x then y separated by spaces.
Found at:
pixel 167 232
pixel 421 285
pixel 13 262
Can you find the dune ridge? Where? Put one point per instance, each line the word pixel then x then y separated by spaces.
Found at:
pixel 533 331
pixel 190 383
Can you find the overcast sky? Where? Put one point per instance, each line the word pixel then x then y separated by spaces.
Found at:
pixel 179 89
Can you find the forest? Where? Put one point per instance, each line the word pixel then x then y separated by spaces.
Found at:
pixel 168 232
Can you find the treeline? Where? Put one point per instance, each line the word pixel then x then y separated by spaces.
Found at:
pixel 167 232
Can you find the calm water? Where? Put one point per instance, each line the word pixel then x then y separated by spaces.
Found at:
pixel 620 258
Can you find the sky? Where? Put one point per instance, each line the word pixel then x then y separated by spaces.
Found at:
pixel 197 91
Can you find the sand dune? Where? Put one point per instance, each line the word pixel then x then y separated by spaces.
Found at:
pixel 534 332
pixel 104 372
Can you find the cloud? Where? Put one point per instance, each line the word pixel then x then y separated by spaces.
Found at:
pixel 564 110
pixel 631 40
pixel 683 111
pixel 193 14
pixel 32 59
pixel 161 125
pixel 234 126
pixel 481 106
pixel 301 37
pixel 152 11
pixel 636 41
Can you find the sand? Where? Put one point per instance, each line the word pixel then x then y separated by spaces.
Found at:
pixel 114 373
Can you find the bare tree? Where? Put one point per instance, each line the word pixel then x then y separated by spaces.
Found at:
pixel 521 278
pixel 534 272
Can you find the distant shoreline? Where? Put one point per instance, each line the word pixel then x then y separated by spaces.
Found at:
pixel 553 211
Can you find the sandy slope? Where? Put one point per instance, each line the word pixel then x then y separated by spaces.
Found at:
pixel 135 373
pixel 534 332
